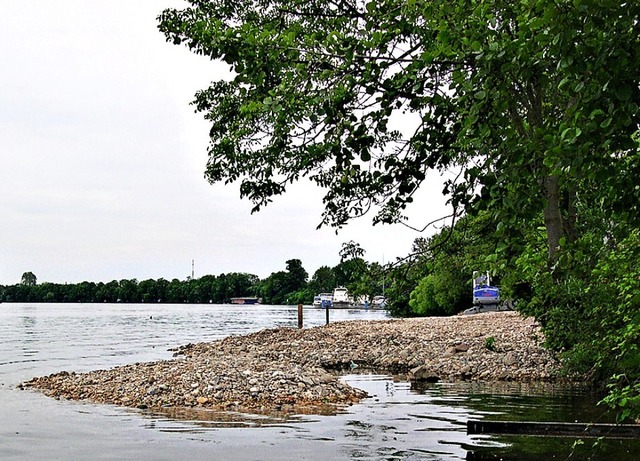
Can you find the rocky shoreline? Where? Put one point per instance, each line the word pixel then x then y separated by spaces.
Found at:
pixel 287 369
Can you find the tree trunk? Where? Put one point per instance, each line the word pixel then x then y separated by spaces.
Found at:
pixel 553 221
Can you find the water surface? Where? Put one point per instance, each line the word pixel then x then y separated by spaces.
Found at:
pixel 399 422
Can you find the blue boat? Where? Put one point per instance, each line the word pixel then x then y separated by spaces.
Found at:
pixel 483 292
pixel 486 298
pixel 486 295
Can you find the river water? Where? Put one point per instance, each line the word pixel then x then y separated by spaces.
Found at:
pixel 399 422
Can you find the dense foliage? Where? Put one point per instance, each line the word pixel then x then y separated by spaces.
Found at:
pixel 536 100
pixel 536 103
pixel 449 259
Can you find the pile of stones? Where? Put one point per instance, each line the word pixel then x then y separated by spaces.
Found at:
pixel 287 369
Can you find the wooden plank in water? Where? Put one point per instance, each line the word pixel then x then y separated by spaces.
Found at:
pixel 551 429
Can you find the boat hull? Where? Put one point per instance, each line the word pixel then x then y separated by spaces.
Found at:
pixel 486 295
pixel 245 300
pixel 341 305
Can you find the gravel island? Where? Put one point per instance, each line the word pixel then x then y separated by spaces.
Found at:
pixel 294 370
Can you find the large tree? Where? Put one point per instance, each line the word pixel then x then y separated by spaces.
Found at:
pixel 535 101
pixel 323 280
pixel 28 278
pixel 297 276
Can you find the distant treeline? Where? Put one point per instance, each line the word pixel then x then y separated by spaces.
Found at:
pixel 291 286
pixel 203 290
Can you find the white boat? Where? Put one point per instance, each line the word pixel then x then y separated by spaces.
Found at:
pixel 379 302
pixel 341 298
pixel 327 298
pixel 362 301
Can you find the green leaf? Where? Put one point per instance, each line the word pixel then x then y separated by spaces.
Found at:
pixel 549 162
pixel 564 82
pixel 624 93
pixel 606 122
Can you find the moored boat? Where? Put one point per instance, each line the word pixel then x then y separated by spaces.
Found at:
pixel 341 298
pixel 379 302
pixel 245 300
pixel 323 300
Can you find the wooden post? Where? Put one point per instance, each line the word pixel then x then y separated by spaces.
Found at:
pixel 326 309
pixel 553 429
pixel 300 322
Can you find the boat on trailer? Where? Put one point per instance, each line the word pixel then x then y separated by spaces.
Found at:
pixel 486 298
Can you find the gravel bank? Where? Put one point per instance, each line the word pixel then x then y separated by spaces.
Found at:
pixel 284 368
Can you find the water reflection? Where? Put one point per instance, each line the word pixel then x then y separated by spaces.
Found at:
pixel 29 324
pixel 530 402
pixel 526 401
pixel 403 421
pixel 198 420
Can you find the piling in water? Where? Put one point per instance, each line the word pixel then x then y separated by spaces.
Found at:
pixel 555 429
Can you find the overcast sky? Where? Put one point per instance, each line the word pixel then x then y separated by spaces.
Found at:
pixel 102 159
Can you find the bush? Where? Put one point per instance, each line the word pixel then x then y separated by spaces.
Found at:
pixel 592 316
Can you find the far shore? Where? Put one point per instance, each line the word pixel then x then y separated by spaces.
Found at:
pixel 298 370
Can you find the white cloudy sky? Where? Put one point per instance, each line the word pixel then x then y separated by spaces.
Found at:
pixel 102 159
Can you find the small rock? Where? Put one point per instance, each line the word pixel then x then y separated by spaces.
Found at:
pixel 423 373
pixel 510 359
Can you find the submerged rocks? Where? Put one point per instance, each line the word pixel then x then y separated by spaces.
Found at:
pixel 287 368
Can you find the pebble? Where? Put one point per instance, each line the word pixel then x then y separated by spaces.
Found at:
pixel 298 370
